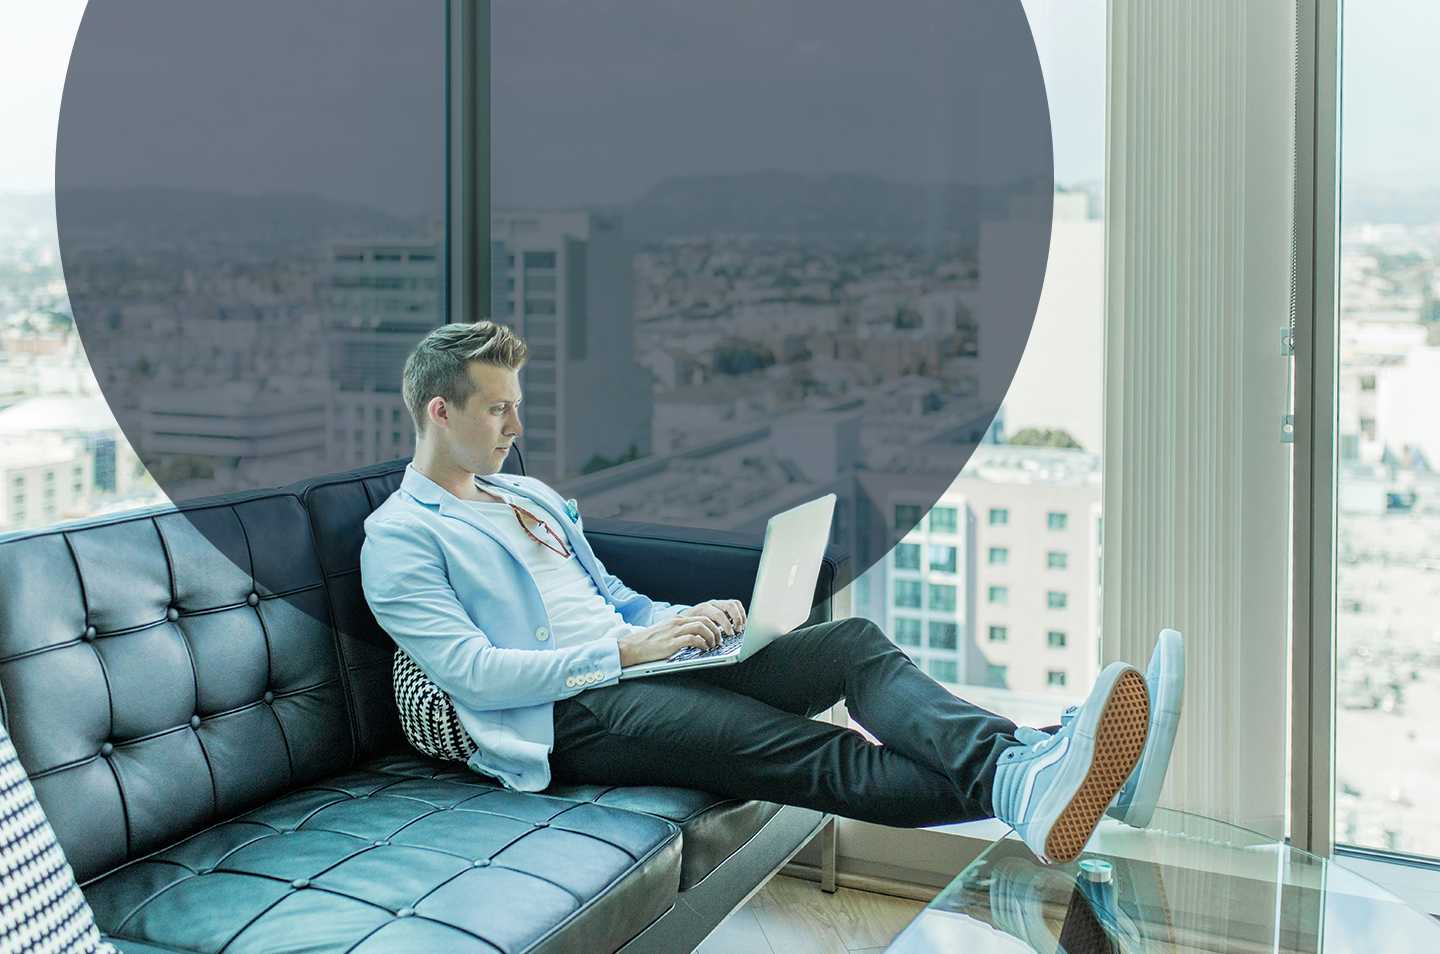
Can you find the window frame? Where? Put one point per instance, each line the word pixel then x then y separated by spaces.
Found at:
pixel 1316 342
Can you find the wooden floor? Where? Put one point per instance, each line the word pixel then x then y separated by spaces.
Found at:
pixel 790 916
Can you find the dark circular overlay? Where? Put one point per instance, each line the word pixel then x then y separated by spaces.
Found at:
pixel 760 252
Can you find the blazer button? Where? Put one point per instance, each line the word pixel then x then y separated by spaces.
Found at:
pixel 542 634
pixel 570 682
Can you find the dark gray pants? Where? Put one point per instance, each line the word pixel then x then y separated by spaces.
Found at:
pixel 745 731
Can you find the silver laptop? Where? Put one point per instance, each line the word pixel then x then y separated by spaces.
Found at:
pixel 784 591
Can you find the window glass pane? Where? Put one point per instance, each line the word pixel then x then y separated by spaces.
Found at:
pixel 942 558
pixel 1056 521
pixel 1041 454
pixel 1056 560
pixel 1055 599
pixel 907 556
pixel 943 635
pixel 907 593
pixel 945 670
pixel 1387 652
pixel 907 631
pixel 1055 678
pixel 942 597
pixel 1055 639
pixel 907 516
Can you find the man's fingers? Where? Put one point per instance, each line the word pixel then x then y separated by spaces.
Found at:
pixel 705 628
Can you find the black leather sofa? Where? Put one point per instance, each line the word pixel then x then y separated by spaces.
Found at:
pixel 223 765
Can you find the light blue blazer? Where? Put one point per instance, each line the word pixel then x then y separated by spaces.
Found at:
pixel 442 581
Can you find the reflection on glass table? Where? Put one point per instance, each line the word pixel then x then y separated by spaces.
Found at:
pixel 1185 884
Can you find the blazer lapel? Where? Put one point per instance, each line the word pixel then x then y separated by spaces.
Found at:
pixel 451 506
pixel 576 540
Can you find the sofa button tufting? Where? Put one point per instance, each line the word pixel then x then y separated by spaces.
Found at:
pixel 269 696
pixel 172 614
pixel 89 633
pixel 300 883
pixel 194 722
pixel 107 749
pixel 482 862
pixel 253 598
pixel 405 913
pixel 380 844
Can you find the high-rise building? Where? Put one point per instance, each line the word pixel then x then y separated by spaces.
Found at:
pixel 381 298
pixel 998 582
pixel 563 281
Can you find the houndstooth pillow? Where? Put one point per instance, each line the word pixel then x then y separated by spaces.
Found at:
pixel 427 715
pixel 41 907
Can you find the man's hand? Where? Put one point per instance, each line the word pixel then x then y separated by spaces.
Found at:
pixel 729 615
pixel 665 639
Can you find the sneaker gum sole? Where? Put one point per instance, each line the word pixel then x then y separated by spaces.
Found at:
pixel 1119 740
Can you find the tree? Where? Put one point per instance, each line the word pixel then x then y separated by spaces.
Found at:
pixel 600 461
pixel 1045 437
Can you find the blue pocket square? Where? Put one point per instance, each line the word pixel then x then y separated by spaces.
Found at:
pixel 572 509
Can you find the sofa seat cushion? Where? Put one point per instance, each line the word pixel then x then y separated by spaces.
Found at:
pixel 714 827
pixel 401 854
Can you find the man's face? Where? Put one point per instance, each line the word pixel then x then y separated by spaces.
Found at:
pixel 480 433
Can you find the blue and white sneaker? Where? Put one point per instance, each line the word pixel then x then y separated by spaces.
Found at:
pixel 1052 789
pixel 1165 678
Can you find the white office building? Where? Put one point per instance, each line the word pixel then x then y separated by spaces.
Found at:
pixel 998 583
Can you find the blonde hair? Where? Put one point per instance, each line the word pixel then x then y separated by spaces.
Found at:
pixel 437 365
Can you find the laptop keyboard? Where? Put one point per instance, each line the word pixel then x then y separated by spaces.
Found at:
pixel 728 645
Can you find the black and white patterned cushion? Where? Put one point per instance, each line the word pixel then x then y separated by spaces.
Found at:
pixel 427 715
pixel 41 907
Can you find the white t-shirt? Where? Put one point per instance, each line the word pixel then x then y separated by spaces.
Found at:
pixel 578 612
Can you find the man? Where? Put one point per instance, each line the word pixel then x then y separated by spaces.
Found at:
pixel 487 581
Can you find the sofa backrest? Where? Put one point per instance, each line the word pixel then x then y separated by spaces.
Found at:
pixel 167 668
pixel 151 685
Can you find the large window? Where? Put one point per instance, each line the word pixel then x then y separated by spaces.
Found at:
pixel 1387 757
pixel 324 249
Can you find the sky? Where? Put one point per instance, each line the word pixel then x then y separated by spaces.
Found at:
pixel 1391 89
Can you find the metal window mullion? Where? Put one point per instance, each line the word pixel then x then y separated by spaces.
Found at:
pixel 467 173
pixel 1317 185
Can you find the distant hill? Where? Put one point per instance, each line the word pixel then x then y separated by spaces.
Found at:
pixel 273 217
pixel 26 209
pixel 782 204
pixel 1383 205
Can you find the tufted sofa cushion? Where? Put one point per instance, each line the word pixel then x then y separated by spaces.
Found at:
pixel 152 686
pixel 401 854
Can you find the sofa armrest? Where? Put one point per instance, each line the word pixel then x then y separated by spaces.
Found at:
pixel 688 565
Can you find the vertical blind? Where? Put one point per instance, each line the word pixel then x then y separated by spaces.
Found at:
pixel 1199 209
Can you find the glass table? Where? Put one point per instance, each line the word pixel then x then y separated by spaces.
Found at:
pixel 1185 884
